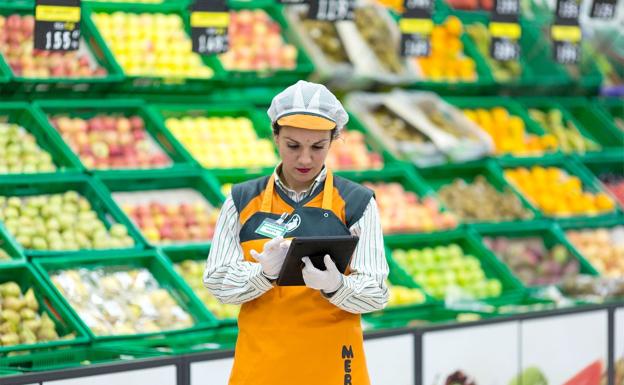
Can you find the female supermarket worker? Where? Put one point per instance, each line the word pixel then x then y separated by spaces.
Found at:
pixel 308 335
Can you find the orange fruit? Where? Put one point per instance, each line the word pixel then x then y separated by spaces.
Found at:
pixel 453 26
pixel 603 202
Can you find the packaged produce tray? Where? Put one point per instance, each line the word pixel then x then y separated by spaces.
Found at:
pixel 593 207
pixel 82 277
pixel 397 220
pixel 303 66
pixel 90 47
pixel 516 207
pixel 154 83
pixel 514 110
pixel 103 215
pixel 530 265
pixel 603 137
pixel 196 260
pixel 433 260
pixel 169 113
pixel 151 143
pixel 167 189
pixel 23 115
pixel 431 315
pixel 61 359
pixel 68 329
pixel 184 343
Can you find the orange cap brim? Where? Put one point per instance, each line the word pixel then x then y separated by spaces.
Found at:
pixel 310 122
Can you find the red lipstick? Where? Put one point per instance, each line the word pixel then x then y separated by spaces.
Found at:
pixel 304 170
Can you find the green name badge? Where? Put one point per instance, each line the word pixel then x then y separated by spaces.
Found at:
pixel 271 228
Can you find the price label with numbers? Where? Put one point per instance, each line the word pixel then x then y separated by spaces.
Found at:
pixel 57 25
pixel 567 11
pixel 566 33
pixel 505 30
pixel 331 10
pixel 209 26
pixel 603 9
pixel 416 26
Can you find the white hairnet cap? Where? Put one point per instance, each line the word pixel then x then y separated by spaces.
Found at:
pixel 308 105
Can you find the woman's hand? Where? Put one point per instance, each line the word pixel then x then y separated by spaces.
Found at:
pixel 272 256
pixel 328 280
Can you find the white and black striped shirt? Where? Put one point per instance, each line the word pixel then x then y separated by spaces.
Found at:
pixel 233 280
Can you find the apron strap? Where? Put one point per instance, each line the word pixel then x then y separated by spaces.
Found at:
pixel 328 193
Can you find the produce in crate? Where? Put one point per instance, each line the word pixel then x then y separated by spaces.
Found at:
pixel 557 193
pixel 508 132
pixel 111 141
pixel 170 216
pixel 446 269
pixel 193 271
pixel 20 153
pixel 590 375
pixel 502 71
pixel 593 288
pixel 471 5
pixel 396 127
pixel 569 138
pixel 603 248
pixel 226 189
pixel 532 262
pixel 223 142
pixel 325 36
pixel 480 201
pixel 59 222
pixel 530 376
pixel 404 212
pixel 349 152
pixel 615 184
pixel 17 47
pixel 22 322
pixel 4 256
pixel 151 44
pixel 447 61
pixel 256 43
pixel 118 300
pixel 376 32
pixel 458 377
pixel 403 296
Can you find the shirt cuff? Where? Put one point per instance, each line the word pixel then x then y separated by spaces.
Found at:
pixel 343 292
pixel 259 280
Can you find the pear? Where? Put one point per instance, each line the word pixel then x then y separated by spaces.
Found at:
pixel 10 289
pixel 10 339
pixel 31 300
pixel 47 334
pixel 8 327
pixel 13 303
pixel 32 324
pixel 11 316
pixel 46 322
pixel 27 336
pixel 28 314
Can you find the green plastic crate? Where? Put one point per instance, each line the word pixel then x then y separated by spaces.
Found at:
pixel 572 168
pixel 7 243
pixel 470 245
pixel 26 277
pixel 304 66
pixel 430 315
pixel 87 109
pixel 149 259
pixel 260 122
pixel 513 108
pixel 519 84
pixel 5 79
pixel 437 178
pixel 550 234
pixel 196 254
pixel 402 174
pixel 484 83
pixel 150 84
pixel 8 372
pixel 591 126
pixel 25 116
pixel 62 359
pixel 100 202
pixel 593 168
pixel 26 87
pixel 204 183
pixel 184 343
pixel 613 108
pixel 231 179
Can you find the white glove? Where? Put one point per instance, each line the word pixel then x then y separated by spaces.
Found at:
pixel 328 280
pixel 272 256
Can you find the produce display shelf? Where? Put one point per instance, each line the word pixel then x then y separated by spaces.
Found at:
pixel 7 243
pixel 595 167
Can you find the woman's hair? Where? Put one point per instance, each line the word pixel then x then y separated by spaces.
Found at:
pixel 277 128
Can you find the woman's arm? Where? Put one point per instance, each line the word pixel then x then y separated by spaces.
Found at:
pixel 364 290
pixel 228 276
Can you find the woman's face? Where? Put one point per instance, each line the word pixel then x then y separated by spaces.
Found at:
pixel 303 154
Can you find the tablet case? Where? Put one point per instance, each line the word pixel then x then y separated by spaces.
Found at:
pixel 340 248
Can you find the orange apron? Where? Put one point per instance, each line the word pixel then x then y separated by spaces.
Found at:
pixel 293 335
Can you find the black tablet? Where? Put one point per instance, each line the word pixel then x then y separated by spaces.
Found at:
pixel 340 248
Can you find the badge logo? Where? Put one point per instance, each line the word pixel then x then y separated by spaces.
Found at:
pixel 293 223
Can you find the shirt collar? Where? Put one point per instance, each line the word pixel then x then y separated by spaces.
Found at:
pixel 320 178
